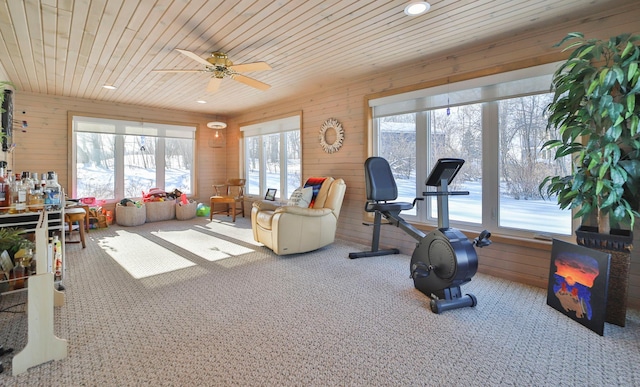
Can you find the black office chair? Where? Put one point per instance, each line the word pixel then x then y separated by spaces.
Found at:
pixel 381 191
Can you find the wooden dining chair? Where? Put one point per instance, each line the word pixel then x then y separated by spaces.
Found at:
pixel 230 193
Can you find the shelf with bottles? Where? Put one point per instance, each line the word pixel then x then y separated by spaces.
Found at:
pixel 28 191
pixel 42 343
pixel 17 249
pixel 15 272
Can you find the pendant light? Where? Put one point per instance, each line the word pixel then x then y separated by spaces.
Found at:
pixel 217 139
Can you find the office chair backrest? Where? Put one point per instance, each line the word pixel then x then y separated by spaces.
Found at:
pixel 380 183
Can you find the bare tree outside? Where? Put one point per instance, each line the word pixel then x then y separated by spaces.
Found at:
pixel 457 132
pixel 264 163
pixel 294 173
pixel 398 144
pixel 252 157
pixel 96 162
pixel 522 133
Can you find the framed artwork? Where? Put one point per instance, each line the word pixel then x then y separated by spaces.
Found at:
pixel 578 281
pixel 271 194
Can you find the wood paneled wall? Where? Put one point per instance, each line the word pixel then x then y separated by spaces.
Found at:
pixel 45 144
pixel 521 260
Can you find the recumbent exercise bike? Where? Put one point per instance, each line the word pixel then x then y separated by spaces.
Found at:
pixel 444 259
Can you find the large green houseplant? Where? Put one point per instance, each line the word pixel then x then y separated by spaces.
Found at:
pixel 596 110
pixel 3 87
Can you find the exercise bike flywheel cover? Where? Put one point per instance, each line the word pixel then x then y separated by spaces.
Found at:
pixel 452 257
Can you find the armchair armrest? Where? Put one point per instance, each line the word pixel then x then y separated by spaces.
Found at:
pixel 265 205
pixel 304 211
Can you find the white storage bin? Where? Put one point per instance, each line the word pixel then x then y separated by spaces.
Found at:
pixel 186 211
pixel 159 211
pixel 130 215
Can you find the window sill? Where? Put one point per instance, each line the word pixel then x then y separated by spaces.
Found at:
pixel 541 244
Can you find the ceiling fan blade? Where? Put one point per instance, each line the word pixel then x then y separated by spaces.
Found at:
pixel 175 71
pixel 194 56
pixel 247 67
pixel 214 85
pixel 250 82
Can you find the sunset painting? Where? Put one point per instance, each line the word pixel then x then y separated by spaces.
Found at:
pixel 578 283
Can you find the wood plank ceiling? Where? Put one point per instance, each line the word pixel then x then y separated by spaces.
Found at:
pixel 73 48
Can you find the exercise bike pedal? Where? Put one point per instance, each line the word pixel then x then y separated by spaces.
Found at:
pixel 482 240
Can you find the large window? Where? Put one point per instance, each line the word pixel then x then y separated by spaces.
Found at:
pixel 115 159
pixel 272 156
pixel 497 125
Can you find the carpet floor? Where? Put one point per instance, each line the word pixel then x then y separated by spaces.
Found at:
pixel 200 303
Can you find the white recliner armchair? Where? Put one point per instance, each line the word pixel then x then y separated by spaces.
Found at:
pixel 291 229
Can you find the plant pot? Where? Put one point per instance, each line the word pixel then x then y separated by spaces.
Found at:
pixel 619 244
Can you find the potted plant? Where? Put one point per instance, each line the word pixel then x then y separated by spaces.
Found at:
pixel 3 87
pixel 596 111
pixel 14 239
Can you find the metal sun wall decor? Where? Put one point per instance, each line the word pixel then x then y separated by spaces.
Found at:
pixel 329 124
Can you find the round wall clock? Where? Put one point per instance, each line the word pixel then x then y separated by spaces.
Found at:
pixel 331 135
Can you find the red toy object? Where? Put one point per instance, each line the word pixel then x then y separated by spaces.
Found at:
pixel 154 195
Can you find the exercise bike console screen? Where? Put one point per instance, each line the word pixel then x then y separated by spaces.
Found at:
pixel 444 169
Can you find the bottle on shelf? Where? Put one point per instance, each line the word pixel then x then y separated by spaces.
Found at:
pixel 19 273
pixel 52 198
pixel 23 187
pixel 29 262
pixel 26 178
pixel 13 198
pixel 5 192
pixel 57 258
pixel 35 195
pixel 45 192
pixel 32 264
pixel 18 200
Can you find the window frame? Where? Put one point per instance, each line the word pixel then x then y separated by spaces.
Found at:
pixel 187 131
pixel 413 101
pixel 281 125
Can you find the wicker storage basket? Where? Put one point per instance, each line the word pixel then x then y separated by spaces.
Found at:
pixel 130 215
pixel 158 211
pixel 186 211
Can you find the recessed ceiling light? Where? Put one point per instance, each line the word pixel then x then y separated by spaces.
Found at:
pixel 110 87
pixel 201 101
pixel 416 8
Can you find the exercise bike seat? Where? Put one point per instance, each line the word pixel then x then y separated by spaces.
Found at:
pixel 381 186
pixel 387 207
pixel 381 195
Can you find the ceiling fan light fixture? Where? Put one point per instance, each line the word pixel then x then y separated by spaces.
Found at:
pixel 216 125
pixel 416 8
pixel 220 67
pixel 219 59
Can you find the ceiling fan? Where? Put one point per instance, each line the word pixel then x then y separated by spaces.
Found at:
pixel 219 65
